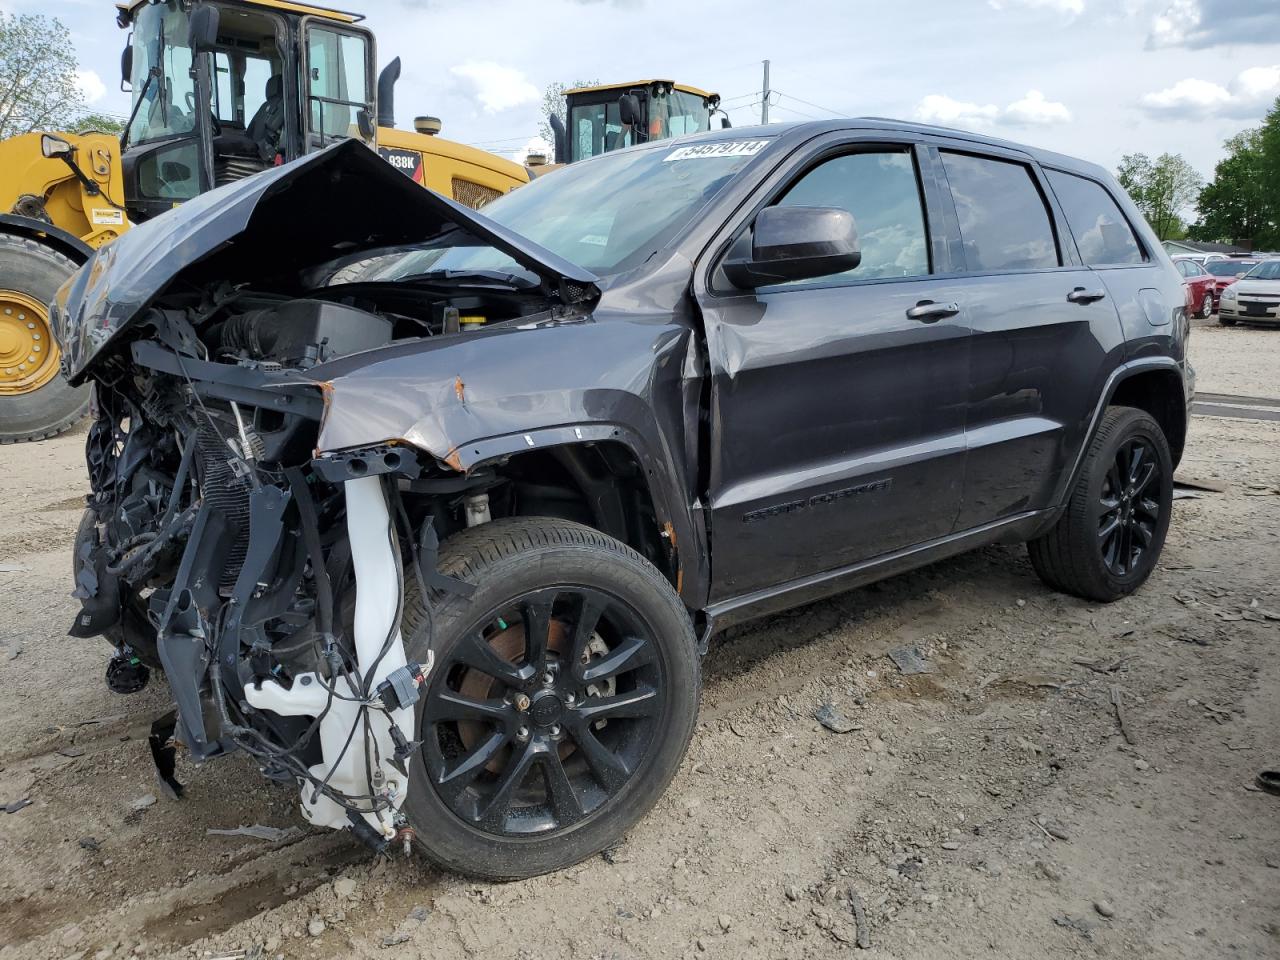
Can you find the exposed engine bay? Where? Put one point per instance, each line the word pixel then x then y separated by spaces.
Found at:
pixel 222 552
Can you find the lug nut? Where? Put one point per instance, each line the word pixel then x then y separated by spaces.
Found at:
pixel 521 702
pixel 548 679
pixel 522 734
pixel 569 699
pixel 555 729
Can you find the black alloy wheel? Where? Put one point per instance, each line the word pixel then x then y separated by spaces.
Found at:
pixel 544 712
pixel 562 698
pixel 1130 512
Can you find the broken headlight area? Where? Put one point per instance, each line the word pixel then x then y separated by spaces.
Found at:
pixel 267 581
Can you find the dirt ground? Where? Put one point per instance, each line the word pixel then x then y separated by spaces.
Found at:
pixel 991 808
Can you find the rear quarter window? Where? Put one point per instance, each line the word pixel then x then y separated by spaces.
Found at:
pixel 1004 223
pixel 1103 235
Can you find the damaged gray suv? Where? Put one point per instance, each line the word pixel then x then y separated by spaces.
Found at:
pixel 432 513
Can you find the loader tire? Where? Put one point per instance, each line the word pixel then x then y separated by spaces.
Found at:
pixel 35 402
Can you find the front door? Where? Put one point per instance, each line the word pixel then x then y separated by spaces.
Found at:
pixel 838 403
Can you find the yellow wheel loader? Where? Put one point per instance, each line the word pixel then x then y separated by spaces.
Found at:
pixel 221 89
pixel 616 115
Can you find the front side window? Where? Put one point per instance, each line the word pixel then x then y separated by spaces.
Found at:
pixel 596 128
pixel 164 91
pixel 1004 223
pixel 882 191
pixel 171 172
pixel 1103 235
pixel 338 88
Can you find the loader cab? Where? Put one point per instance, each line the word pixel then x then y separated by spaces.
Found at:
pixel 223 90
pixel 607 118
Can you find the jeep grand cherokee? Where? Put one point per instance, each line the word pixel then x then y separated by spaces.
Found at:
pixel 433 512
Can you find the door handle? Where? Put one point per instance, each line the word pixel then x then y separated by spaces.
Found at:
pixel 926 311
pixel 1081 295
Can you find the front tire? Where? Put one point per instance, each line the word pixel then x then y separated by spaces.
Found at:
pixel 562 699
pixel 1206 307
pixel 1107 542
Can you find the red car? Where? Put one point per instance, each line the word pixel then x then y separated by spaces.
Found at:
pixel 1199 285
pixel 1227 272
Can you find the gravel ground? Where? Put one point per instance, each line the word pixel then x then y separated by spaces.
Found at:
pixel 991 808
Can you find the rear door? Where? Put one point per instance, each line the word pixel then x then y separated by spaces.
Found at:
pixel 837 403
pixel 1042 325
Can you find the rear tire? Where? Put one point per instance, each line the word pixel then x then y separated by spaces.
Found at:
pixel 1108 540
pixel 1206 307
pixel 33 270
pixel 580 778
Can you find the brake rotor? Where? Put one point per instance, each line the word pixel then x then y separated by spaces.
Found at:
pixel 509 644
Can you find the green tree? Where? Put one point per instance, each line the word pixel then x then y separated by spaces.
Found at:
pixel 1268 236
pixel 1162 188
pixel 1234 206
pixel 553 102
pixel 37 75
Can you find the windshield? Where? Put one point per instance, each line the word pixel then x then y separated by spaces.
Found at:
pixel 677 113
pixel 608 215
pixel 164 91
pixel 1265 271
pixel 1227 268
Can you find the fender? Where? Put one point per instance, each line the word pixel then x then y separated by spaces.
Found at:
pixel 1121 373
pixel 67 244
pixel 470 400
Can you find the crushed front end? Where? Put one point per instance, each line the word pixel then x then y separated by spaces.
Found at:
pixel 224 544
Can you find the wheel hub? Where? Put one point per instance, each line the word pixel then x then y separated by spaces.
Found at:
pixel 28 356
pixel 547 709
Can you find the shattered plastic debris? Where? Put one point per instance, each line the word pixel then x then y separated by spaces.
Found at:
pixel 910 660
pixel 257 832
pixel 834 720
pixel 17 805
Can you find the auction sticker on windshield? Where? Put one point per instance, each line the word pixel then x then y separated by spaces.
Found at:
pixel 728 148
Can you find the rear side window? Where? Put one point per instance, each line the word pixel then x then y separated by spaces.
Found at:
pixel 1004 223
pixel 1103 235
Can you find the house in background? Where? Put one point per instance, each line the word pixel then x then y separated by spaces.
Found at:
pixel 1198 250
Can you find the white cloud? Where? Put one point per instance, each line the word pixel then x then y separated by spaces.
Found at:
pixel 1072 7
pixel 1250 93
pixel 1035 110
pixel 535 145
pixel 497 87
pixel 1031 110
pixel 90 86
pixel 1208 23
pixel 936 108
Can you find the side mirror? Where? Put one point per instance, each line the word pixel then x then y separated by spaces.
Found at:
pixel 724 121
pixel 364 123
pixel 202 29
pixel 51 146
pixel 629 109
pixel 793 243
pixel 126 64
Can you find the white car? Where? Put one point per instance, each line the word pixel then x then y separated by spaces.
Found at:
pixel 1254 297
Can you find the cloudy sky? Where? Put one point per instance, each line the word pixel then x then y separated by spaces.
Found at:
pixel 1094 78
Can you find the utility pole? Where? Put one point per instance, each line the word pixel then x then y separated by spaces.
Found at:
pixel 764 95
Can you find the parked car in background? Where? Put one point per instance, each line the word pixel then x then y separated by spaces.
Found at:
pixel 1255 297
pixel 1199 285
pixel 1227 272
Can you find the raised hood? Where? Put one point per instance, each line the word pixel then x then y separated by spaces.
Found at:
pixel 266 229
